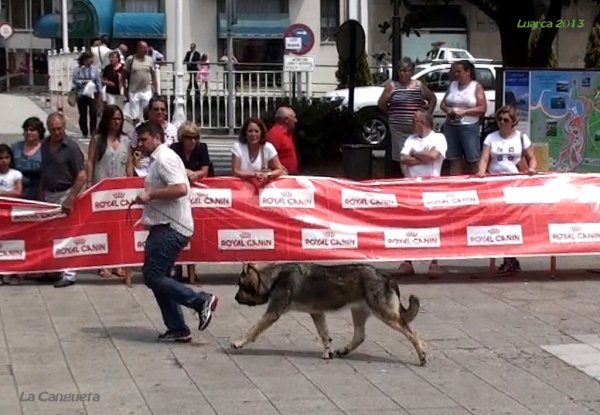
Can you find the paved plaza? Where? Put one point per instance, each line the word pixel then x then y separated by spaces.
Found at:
pixel 516 346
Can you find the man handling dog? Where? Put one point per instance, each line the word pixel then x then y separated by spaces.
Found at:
pixel 168 218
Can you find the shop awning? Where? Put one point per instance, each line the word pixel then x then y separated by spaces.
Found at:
pixel 252 26
pixel 139 26
pixel 88 19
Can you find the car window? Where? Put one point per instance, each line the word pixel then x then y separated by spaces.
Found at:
pixel 486 79
pixel 437 81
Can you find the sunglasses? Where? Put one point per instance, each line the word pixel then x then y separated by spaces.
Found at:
pixel 191 137
pixel 504 120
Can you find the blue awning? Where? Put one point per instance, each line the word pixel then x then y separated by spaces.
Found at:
pixel 252 26
pixel 139 25
pixel 89 19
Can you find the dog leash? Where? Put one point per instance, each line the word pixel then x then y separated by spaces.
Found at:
pixel 129 222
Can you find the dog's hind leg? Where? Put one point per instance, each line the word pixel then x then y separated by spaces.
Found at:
pixel 321 325
pixel 359 318
pixel 398 324
pixel 266 321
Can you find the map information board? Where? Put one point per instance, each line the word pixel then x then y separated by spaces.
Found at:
pixel 560 108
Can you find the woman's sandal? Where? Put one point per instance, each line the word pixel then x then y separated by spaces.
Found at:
pixel 104 273
pixel 119 272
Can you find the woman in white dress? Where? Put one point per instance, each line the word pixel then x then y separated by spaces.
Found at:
pixel 252 156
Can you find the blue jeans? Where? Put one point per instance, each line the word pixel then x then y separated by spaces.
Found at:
pixel 463 142
pixel 163 246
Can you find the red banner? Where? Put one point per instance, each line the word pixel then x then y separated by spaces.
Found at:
pixel 317 219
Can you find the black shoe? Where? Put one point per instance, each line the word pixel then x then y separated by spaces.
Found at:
pixel 205 312
pixel 64 283
pixel 509 266
pixel 171 336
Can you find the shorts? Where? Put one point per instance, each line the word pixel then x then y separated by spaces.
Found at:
pixel 138 101
pixel 463 141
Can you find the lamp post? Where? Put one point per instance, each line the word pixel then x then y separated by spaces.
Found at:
pixel 396 39
pixel 179 116
pixel 231 20
pixel 65 26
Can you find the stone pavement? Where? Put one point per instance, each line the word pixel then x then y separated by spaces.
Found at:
pixel 490 346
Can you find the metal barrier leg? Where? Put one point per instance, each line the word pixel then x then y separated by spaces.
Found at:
pixel 552 266
pixel 493 269
pixel 191 270
pixel 128 277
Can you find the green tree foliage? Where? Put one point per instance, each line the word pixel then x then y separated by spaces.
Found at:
pixel 506 14
pixel 363 73
pixel 533 40
pixel 592 53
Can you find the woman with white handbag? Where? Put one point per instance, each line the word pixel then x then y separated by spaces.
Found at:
pixel 87 83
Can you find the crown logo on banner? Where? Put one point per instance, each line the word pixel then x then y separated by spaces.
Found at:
pixel 575 228
pixel 118 195
pixel 286 193
pixel 411 234
pixel 329 234
pixel 79 241
pixel 494 231
pixel 245 235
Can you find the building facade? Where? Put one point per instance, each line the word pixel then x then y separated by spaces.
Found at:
pixel 258 33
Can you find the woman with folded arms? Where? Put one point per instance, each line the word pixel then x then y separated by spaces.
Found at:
pixel 254 157
pixel 196 160
pixel 507 151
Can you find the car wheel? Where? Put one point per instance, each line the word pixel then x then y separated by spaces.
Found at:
pixel 373 127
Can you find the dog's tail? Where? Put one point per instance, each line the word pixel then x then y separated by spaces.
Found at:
pixel 410 313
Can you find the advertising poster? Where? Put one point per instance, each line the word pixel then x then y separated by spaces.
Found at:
pixel 516 93
pixel 563 114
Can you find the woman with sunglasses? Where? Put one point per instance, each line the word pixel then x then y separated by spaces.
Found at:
pixel 194 155
pixel 507 151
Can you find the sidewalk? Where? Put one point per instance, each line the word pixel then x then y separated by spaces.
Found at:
pixel 493 349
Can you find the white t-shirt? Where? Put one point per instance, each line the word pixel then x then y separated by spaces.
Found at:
pixel 505 153
pixel 9 180
pixel 241 150
pixel 427 143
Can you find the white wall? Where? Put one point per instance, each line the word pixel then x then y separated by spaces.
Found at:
pixel 25 41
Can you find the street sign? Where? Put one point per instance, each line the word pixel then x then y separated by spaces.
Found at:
pixel 293 44
pixel 350 42
pixel 6 31
pixel 302 31
pixel 298 63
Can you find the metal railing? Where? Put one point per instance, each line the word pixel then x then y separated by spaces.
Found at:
pixel 257 88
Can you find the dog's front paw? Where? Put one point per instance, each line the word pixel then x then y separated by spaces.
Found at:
pixel 327 354
pixel 423 359
pixel 237 345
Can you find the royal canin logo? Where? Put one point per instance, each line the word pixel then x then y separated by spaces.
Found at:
pixel 493 231
pixel 286 193
pixel 329 234
pixel 575 228
pixel 411 234
pixel 79 241
pixel 245 235
pixel 119 195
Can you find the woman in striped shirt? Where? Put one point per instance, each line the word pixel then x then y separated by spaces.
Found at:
pixel 400 100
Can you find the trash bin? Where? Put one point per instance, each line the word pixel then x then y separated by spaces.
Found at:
pixel 357 161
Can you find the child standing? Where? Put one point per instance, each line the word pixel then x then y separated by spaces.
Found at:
pixel 11 185
pixel 11 180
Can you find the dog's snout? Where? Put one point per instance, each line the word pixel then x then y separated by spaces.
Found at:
pixel 237 297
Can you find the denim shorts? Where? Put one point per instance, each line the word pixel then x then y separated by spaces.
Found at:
pixel 463 141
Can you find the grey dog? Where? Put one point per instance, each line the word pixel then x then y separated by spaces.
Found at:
pixel 317 289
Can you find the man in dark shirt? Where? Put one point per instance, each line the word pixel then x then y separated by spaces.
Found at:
pixel 63 173
pixel 192 57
